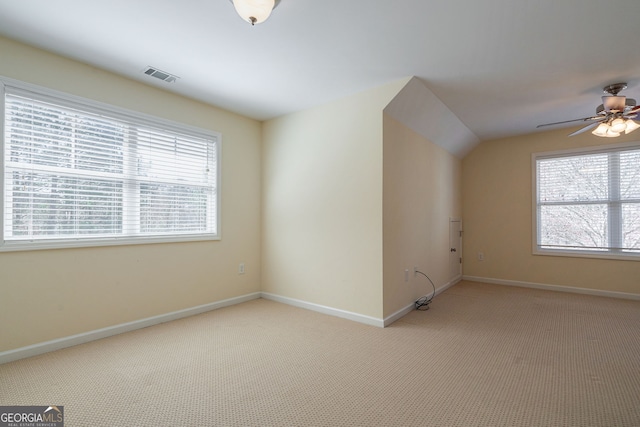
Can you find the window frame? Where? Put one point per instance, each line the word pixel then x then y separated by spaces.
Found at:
pixel 611 253
pixel 115 112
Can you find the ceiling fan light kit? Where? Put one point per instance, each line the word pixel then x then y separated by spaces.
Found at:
pixel 614 116
pixel 631 126
pixel 255 11
pixel 614 127
pixel 618 125
pixel 605 131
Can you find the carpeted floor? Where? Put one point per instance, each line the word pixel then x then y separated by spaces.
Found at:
pixel 483 355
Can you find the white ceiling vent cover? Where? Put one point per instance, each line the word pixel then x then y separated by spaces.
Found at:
pixel 159 74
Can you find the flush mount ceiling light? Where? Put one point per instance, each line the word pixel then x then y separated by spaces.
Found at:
pixel 254 11
pixel 614 116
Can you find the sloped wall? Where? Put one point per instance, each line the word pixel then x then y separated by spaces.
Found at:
pixel 421 110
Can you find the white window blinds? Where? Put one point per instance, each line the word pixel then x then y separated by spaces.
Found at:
pixel 76 172
pixel 589 201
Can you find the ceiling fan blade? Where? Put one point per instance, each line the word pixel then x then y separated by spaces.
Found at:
pixel 586 128
pixel 569 121
pixel 634 110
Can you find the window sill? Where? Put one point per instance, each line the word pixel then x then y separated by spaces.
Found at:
pixel 607 255
pixel 27 245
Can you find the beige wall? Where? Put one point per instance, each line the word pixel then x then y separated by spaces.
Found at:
pixel 497 195
pixel 322 203
pixel 50 294
pixel 327 206
pixel 422 191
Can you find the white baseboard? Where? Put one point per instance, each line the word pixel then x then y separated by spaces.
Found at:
pixel 399 314
pixel 451 283
pixel 409 308
pixel 57 344
pixel 367 320
pixel 571 289
pixel 361 318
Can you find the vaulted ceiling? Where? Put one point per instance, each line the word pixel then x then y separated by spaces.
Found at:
pixel 500 66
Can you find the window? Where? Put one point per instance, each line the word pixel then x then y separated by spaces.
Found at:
pixel 588 202
pixel 75 173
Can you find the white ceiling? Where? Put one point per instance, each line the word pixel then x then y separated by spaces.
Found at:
pixel 501 66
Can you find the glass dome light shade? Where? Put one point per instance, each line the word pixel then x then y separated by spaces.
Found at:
pixel 631 126
pixel 618 125
pixel 601 130
pixel 254 11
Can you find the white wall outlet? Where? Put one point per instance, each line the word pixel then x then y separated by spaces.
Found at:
pixel 480 256
pixel 241 268
pixel 406 274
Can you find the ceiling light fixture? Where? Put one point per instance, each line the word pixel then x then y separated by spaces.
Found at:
pixel 254 11
pixel 605 131
pixel 614 127
pixel 615 115
pixel 617 112
pixel 631 126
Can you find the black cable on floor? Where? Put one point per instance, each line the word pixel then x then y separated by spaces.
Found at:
pixel 423 302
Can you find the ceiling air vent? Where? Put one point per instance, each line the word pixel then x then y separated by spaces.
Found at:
pixel 159 74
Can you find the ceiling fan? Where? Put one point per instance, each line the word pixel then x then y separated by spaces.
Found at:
pixel 614 116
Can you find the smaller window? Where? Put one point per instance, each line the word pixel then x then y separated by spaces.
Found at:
pixel 587 202
pixel 78 173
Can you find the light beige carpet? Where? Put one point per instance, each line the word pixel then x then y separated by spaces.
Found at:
pixel 483 355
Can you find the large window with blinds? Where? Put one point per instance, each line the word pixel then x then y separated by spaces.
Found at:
pixel 78 173
pixel 587 202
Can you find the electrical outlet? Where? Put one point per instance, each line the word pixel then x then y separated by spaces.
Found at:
pixel 241 268
pixel 406 274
